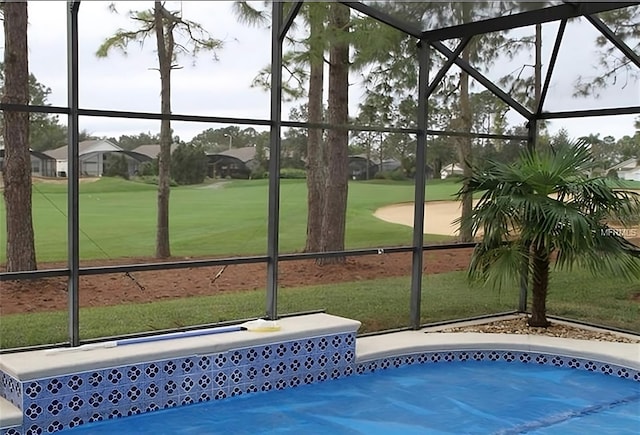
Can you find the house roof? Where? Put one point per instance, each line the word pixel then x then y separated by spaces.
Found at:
pixel 243 154
pixel 627 165
pixel 38 154
pixel 452 168
pixel 152 150
pixel 84 147
pixel 135 155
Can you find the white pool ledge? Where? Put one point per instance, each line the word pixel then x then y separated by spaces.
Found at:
pixel 25 366
pixel 408 342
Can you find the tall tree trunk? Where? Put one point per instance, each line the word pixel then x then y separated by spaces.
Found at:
pixel 165 49
pixel 335 210
pixel 315 156
pixel 538 67
pixel 367 174
pixel 437 168
pixel 464 149
pixel 541 264
pixel 537 82
pixel 21 253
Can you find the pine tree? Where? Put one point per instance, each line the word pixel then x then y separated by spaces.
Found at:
pixel 165 25
pixel 21 253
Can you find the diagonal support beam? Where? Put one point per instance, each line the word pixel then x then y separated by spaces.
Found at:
pixel 445 68
pixel 483 80
pixel 523 19
pixel 629 110
pixel 614 39
pixel 552 65
pixel 377 14
pixel 286 25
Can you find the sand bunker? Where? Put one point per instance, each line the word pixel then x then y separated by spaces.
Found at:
pixel 438 216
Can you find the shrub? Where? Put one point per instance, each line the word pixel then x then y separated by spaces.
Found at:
pixel 148 168
pixel 188 164
pixel 293 173
pixel 395 175
pixel 117 166
pixel 153 179
pixel 259 172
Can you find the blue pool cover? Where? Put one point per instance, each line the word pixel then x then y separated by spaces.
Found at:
pixel 446 398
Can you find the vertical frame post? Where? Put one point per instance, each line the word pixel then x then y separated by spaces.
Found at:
pixel 420 179
pixel 73 173
pixel 274 161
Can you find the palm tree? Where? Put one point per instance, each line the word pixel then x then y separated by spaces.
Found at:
pixel 544 208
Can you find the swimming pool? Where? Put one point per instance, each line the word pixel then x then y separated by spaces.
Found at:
pixel 457 397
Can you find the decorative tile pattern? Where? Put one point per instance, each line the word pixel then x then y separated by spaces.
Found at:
pixel 55 403
pixel 11 389
pixel 493 355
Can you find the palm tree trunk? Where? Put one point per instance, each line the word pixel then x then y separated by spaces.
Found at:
pixel 315 159
pixel 20 249
pixel 164 159
pixel 541 263
pixel 335 210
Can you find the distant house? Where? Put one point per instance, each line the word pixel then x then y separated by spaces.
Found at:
pixel 93 157
pixel 627 170
pixel 452 169
pixel 152 150
pixel 358 167
pixel 41 164
pixel 233 163
pixel 388 165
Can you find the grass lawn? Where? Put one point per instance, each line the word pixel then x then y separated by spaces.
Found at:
pixel 379 305
pixel 118 217
pixel 627 184
pixel 118 220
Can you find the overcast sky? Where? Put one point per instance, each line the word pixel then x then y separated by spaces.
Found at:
pixel 222 88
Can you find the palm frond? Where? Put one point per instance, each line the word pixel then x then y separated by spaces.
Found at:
pixel 497 267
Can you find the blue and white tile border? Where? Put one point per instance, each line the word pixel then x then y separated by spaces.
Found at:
pixel 433 357
pixel 60 402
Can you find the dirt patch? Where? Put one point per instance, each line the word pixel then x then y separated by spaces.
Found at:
pixel 50 294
